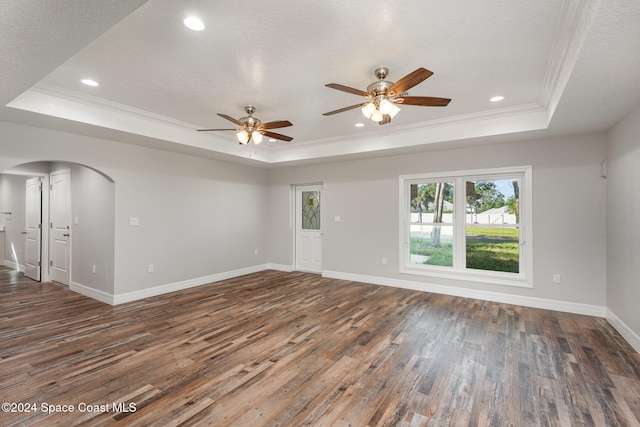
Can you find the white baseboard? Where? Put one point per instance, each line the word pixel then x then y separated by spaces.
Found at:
pixel 185 284
pixel 172 287
pixel 12 265
pixel 280 267
pixel 627 333
pixel 569 307
pixel 92 293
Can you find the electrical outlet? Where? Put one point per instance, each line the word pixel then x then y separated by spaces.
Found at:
pixel 556 278
pixel 384 261
pixel 150 268
pixel 93 269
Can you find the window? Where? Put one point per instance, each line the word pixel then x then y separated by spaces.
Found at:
pixel 469 225
pixel 431 223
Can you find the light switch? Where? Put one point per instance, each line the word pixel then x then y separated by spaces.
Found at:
pixel 134 221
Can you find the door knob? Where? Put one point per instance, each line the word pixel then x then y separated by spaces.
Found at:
pixel 66 235
pixel 24 232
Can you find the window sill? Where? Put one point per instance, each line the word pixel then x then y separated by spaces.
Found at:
pixel 468 276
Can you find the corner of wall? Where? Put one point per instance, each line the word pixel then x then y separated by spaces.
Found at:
pixel 627 333
pixel 96 294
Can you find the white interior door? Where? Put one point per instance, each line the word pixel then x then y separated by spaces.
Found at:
pixel 33 228
pixel 308 228
pixel 60 217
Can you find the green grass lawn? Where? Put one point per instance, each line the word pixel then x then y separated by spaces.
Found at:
pixel 493 256
pixel 438 256
pixel 493 249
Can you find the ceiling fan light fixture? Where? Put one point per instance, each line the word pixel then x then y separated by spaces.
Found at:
pixel 256 136
pixel 394 110
pixel 385 106
pixel 380 107
pixel 368 110
pixel 243 136
pixel 248 128
pixel 383 95
pixel 377 116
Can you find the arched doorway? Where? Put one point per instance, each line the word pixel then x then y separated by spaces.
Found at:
pixel 76 224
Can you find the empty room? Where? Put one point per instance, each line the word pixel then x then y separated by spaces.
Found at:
pixel 360 213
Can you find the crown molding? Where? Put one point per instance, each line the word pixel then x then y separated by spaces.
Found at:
pixel 57 102
pixel 572 30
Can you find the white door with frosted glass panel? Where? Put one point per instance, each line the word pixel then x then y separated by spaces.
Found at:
pixel 60 202
pixel 308 228
pixel 33 228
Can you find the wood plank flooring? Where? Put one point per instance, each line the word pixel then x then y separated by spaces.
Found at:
pixel 296 349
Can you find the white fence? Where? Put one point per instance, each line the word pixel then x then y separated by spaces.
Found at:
pixel 485 218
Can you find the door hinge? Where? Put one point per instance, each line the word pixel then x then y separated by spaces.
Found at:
pixel 51 263
pixel 39 225
pixel 39 264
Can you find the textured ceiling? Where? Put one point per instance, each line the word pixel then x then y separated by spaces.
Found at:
pixel 563 66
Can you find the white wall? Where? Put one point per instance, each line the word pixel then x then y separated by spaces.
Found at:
pixel 12 199
pixel 93 206
pixel 197 217
pixel 623 225
pixel 568 214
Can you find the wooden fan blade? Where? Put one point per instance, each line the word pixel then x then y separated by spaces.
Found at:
pixel 276 135
pixel 409 81
pixel 348 89
pixel 424 101
pixel 275 125
pixel 208 130
pixel 231 119
pixel 385 119
pixel 345 109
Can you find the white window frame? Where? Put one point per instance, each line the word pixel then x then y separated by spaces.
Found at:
pixel 524 278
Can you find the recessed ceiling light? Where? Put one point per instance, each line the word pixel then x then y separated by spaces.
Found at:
pixel 193 23
pixel 89 82
pixel 359 125
pixel 497 98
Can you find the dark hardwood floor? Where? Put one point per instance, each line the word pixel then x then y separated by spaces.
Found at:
pixel 296 349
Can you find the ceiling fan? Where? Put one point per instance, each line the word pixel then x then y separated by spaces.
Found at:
pixel 253 129
pixel 384 95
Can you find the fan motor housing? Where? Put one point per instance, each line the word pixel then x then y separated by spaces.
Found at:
pixel 379 88
pixel 250 121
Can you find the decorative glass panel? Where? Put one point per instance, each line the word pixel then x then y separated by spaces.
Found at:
pixel 311 210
